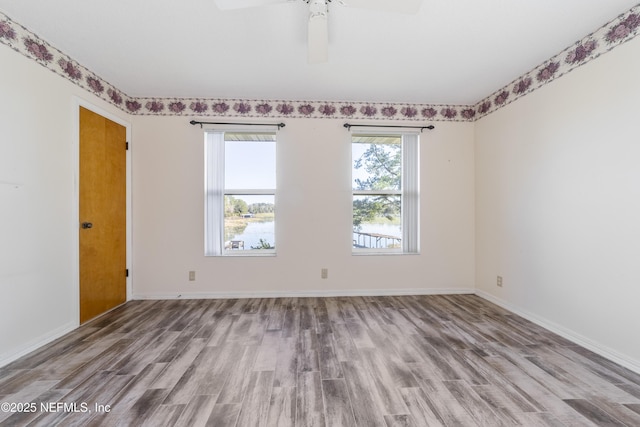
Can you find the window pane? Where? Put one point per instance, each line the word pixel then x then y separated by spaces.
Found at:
pixel 250 164
pixel 249 222
pixel 376 165
pixel 377 222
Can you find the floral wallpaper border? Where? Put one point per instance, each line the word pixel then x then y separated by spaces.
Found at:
pixel 614 33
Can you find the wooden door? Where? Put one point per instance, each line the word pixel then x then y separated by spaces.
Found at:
pixel 103 237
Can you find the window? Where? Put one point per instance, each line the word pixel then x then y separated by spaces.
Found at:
pixel 240 189
pixel 386 199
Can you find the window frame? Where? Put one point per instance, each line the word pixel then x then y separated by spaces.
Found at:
pixel 409 191
pixel 215 192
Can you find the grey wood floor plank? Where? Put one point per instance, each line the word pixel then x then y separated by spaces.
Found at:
pixel 469 399
pixel 602 372
pixel 307 315
pixel 631 388
pixel 408 352
pixel 367 408
pixel 291 322
pixel 213 371
pixel 99 363
pixel 438 363
pixel 390 367
pixel 247 330
pixel 286 374
pixel 323 322
pixel 267 352
pixel 67 344
pixel 577 375
pixel 593 413
pixel 164 416
pixel 402 420
pixel 29 393
pixel 308 351
pixel 309 402
pixel 225 415
pixel 499 402
pixel 328 362
pixel 276 316
pixel 197 411
pixel 30 418
pixel 255 406
pixel 237 383
pixel 420 407
pixel 282 407
pixel 439 399
pixel 618 411
pixel 347 309
pixel 633 406
pixel 539 419
pixel 453 360
pixel 145 348
pixel 509 394
pixel 343 343
pixel 337 407
pixel 197 376
pixel 333 310
pixel 359 334
pixel 386 382
pixel 629 376
pixel 84 393
pixel 143 407
pixel 179 365
pixel 221 331
pixel 127 396
pixel 167 353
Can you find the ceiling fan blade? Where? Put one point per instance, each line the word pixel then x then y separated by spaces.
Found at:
pixel 243 4
pixel 400 6
pixel 318 39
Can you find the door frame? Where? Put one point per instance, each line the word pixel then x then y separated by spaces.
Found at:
pixel 77 103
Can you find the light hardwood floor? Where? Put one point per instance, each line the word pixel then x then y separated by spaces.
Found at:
pixel 359 361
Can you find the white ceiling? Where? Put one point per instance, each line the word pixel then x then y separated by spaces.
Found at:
pixel 452 52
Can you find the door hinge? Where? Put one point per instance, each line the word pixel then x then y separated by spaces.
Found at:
pixel 126 272
pixel 126 146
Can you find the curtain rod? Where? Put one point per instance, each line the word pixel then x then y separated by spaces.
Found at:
pixel 279 125
pixel 349 126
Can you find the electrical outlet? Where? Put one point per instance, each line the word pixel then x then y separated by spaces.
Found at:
pixel 324 273
pixel 192 276
pixel 499 282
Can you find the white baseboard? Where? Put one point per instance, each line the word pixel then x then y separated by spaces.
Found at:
pixel 573 336
pixel 35 344
pixel 303 294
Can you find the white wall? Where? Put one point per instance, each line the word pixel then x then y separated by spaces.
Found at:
pixel 37 204
pixel 313 217
pixel 558 204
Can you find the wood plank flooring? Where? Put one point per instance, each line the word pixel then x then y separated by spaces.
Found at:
pixel 451 360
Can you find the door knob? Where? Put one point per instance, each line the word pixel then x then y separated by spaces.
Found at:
pixel 86 225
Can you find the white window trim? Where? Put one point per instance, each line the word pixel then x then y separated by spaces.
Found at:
pixel 409 193
pixel 214 192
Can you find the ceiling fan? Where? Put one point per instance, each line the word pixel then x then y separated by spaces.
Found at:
pixel 318 34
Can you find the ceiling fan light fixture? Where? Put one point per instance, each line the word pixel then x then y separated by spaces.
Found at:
pixel 318 36
pixel 318 32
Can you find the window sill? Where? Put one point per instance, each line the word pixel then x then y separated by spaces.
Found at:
pixel 243 254
pixel 381 253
